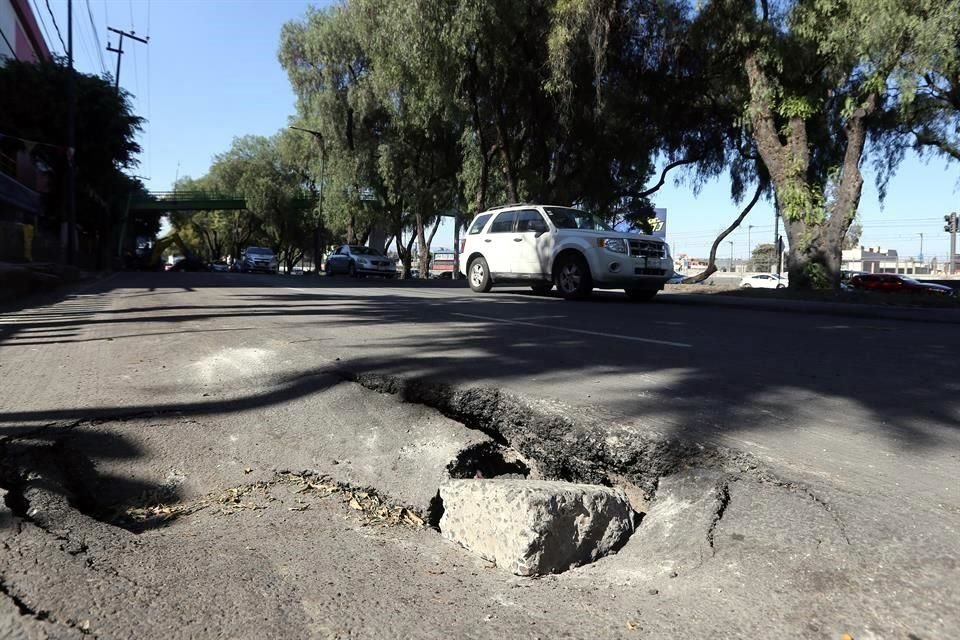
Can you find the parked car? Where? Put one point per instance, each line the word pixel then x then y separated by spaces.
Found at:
pixel 678 278
pixel 358 261
pixel 190 263
pixel 543 246
pixel 764 281
pixel 257 259
pixel 219 266
pixel 892 282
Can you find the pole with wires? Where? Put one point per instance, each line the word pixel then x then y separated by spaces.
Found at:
pixel 119 50
pixel 71 141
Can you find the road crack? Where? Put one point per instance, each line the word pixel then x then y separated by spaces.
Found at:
pixel 720 504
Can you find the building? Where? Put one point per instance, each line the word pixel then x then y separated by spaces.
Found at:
pixel 876 260
pixel 21 181
pixel 20 36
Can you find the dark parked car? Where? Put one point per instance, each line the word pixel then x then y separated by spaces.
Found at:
pixel 190 263
pixel 891 282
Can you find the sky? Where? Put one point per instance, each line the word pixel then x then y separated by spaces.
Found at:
pixel 210 73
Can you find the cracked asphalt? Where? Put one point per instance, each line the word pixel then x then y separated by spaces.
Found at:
pixel 799 472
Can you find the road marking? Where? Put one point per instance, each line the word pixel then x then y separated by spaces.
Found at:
pixel 580 331
pixel 540 318
pixel 295 289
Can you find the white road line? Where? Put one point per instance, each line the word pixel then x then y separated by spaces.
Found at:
pixel 580 331
pixel 295 289
pixel 539 318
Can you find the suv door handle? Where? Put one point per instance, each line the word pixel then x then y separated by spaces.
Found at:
pixel 518 239
pixel 488 240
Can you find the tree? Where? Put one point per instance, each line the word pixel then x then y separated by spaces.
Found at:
pixel 764 257
pixel 818 73
pixel 105 143
pixel 852 239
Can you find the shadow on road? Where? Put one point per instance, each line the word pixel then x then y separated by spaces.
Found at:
pixel 743 371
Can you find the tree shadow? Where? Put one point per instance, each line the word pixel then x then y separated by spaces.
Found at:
pixel 744 371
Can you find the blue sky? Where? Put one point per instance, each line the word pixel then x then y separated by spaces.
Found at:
pixel 210 73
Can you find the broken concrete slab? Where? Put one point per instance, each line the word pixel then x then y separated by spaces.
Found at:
pixel 678 528
pixel 535 527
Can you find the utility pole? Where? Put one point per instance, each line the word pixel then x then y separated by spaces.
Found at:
pixel 951 228
pixel 71 140
pixel 731 255
pixel 921 249
pixel 323 167
pixel 749 248
pixel 119 50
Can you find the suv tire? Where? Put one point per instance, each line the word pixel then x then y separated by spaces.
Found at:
pixel 641 295
pixel 479 275
pixel 572 277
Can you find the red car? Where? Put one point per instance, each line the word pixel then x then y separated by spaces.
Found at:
pixel 892 282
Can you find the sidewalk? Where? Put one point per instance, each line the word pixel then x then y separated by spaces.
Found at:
pixel 847 310
pixel 20 280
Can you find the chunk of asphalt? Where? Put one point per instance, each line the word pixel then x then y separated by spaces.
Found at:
pixel 537 527
pixel 679 527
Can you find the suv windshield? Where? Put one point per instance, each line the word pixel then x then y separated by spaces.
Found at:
pixel 259 251
pixel 364 251
pixel 566 218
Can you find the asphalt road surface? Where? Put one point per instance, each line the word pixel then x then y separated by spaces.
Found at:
pixel 203 382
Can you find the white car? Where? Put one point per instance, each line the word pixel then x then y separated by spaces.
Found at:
pixel 545 246
pixel 764 281
pixel 359 261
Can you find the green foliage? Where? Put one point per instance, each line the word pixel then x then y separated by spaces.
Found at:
pixel 764 257
pixel 34 108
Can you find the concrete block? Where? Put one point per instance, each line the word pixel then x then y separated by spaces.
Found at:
pixel 535 527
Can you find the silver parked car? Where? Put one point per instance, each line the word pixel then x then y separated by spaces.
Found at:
pixel 257 259
pixel 355 260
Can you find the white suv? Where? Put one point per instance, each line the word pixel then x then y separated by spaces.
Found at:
pixel 547 245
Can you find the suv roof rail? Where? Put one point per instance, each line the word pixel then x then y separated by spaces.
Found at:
pixel 512 204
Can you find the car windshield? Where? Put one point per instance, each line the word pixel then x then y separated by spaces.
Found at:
pixel 259 251
pixel 364 251
pixel 566 218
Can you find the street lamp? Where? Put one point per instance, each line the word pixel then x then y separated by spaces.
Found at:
pixel 730 242
pixel 749 248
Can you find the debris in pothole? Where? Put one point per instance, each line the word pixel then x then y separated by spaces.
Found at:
pixel 535 527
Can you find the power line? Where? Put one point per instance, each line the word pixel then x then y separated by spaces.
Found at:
pixel 96 38
pixel 55 25
pixel 43 23
pixel 13 51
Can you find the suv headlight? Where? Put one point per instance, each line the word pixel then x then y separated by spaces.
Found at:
pixel 616 245
pixel 363 261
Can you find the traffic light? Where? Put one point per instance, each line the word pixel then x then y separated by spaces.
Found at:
pixel 951 220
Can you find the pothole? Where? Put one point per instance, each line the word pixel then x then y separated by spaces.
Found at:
pixel 489 460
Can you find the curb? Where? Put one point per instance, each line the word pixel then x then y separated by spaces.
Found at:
pixel 866 311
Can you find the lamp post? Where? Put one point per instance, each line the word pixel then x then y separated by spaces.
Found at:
pixel 323 167
pixel 749 248
pixel 730 242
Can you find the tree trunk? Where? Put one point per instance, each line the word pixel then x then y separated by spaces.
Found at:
pixel 423 251
pixel 712 262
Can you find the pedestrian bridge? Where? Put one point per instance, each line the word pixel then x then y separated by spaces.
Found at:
pixel 166 201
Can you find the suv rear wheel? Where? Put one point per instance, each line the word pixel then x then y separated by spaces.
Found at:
pixel 479 275
pixel 572 277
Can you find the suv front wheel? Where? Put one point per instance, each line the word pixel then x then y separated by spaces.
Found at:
pixel 572 276
pixel 479 275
